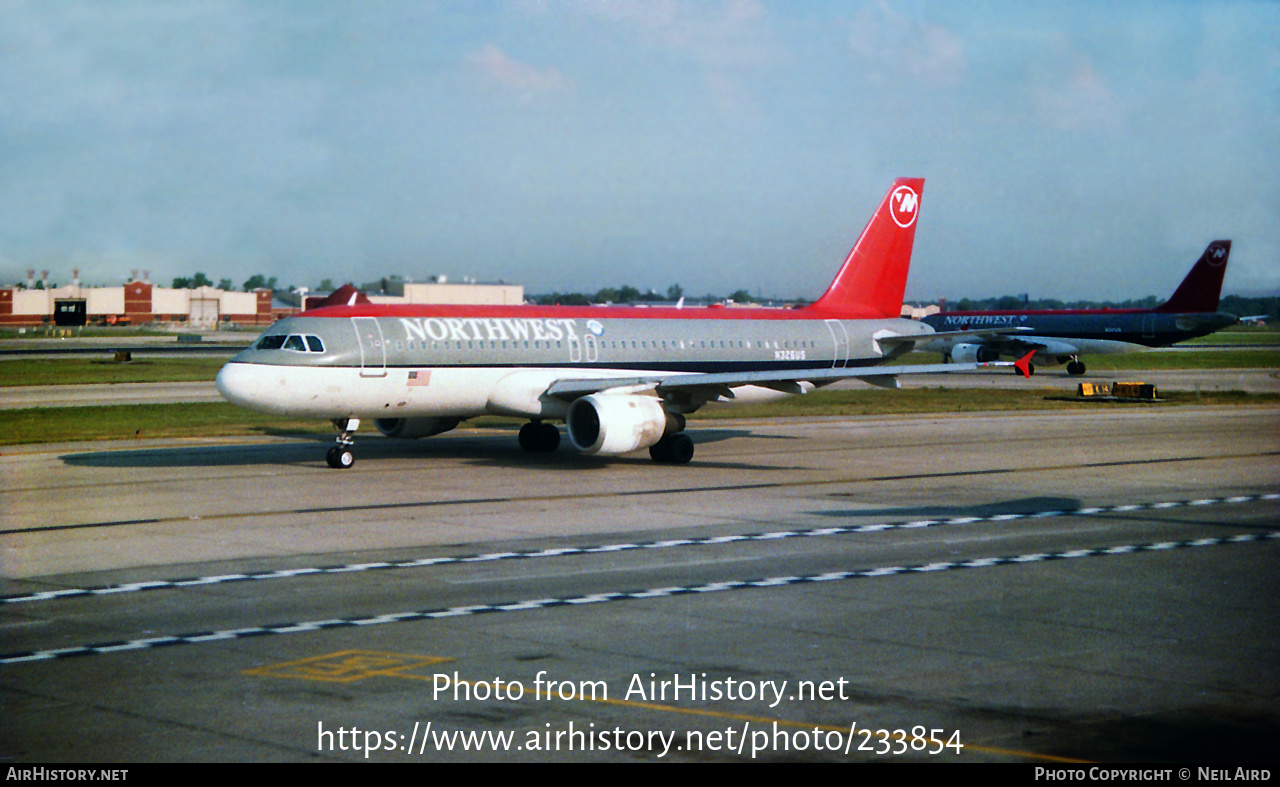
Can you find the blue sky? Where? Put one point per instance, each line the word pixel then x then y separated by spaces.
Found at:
pixel 1072 150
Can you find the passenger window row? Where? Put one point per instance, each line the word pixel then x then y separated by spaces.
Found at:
pixel 493 344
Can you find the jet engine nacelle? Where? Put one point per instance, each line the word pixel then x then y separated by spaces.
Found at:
pixel 413 428
pixel 617 423
pixel 973 353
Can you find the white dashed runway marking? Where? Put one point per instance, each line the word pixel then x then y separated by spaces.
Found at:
pixel 622 596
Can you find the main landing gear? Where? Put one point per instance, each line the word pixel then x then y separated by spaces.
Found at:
pixel 672 449
pixel 340 457
pixel 539 437
pixel 675 447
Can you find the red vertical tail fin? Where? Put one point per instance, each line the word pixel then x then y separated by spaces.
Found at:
pixel 346 295
pixel 1202 288
pixel 874 275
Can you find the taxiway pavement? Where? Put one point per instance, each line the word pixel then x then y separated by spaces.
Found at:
pixel 1043 588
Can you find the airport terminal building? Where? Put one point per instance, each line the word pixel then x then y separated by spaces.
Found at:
pixel 201 308
pixel 136 303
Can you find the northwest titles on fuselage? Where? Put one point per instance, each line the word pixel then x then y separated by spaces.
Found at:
pixel 960 321
pixel 492 328
pixel 947 322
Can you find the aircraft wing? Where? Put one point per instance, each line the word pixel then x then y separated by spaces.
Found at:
pixel 971 333
pixel 787 380
pixel 1005 341
pixel 784 380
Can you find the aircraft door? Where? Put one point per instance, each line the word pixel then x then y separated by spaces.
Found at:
pixel 840 340
pixel 583 348
pixel 1148 326
pixel 373 349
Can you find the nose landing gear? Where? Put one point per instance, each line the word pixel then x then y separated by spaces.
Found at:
pixel 340 457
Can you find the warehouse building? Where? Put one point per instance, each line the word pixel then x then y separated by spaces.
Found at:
pixel 143 303
pixel 136 303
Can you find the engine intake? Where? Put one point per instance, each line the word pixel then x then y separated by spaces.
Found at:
pixel 413 428
pixel 617 423
pixel 973 353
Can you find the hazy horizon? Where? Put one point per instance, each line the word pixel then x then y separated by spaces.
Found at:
pixel 1073 151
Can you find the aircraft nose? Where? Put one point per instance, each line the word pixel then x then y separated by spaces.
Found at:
pixel 234 383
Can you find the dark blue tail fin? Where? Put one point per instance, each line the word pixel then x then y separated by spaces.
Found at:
pixel 1199 292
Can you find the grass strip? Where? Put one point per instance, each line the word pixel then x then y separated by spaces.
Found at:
pixel 219 419
pixel 89 371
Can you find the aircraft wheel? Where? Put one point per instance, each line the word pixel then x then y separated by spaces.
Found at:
pixel 540 437
pixel 681 451
pixel 1075 368
pixel 340 458
pixel 676 449
pixel 529 436
pixel 549 437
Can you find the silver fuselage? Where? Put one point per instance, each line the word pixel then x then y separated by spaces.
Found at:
pixel 386 362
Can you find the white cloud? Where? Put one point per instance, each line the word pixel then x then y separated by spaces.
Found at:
pixel 719 34
pixel 503 71
pixel 723 40
pixel 891 45
pixel 239 137
pixel 1080 101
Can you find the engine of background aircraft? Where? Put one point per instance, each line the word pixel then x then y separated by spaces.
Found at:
pixel 973 353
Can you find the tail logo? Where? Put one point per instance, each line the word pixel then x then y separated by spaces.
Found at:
pixel 1218 256
pixel 903 204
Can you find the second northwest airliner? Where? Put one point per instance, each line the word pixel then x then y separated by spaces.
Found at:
pixel 1061 336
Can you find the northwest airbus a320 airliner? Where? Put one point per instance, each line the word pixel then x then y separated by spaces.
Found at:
pixel 622 378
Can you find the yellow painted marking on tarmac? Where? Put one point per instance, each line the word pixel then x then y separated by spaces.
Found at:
pixel 348 666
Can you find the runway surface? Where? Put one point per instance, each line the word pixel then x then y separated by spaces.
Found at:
pixel 1042 588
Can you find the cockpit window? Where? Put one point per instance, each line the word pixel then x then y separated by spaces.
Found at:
pixel 294 342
